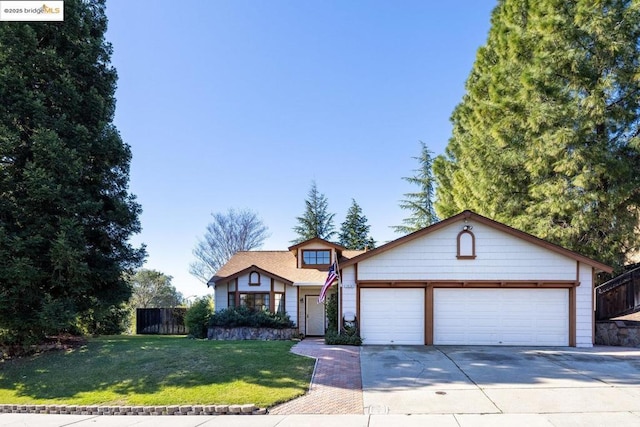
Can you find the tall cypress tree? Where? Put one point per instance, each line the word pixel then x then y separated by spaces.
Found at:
pixel 65 211
pixel 354 232
pixel 316 220
pixel 420 203
pixel 546 136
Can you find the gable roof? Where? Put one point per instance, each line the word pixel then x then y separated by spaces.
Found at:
pixel 281 265
pixel 470 215
pixel 318 240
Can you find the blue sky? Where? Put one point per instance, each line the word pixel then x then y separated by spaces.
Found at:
pixel 243 103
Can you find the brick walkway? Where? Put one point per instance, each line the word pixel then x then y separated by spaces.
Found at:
pixel 336 386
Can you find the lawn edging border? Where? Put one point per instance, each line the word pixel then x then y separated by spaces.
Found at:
pixel 241 333
pixel 249 409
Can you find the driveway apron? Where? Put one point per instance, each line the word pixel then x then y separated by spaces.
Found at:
pixel 499 380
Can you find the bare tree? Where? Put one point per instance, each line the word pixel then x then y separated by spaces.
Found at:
pixel 227 234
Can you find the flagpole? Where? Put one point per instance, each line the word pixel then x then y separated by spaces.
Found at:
pixel 339 286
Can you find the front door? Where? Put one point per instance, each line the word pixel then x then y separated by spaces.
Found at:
pixel 315 316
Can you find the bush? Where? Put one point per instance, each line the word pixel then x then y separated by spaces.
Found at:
pixel 348 335
pixel 197 317
pixel 109 320
pixel 243 316
pixel 344 338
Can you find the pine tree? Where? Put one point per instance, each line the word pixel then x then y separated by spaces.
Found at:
pixel 354 232
pixel 546 136
pixel 420 203
pixel 316 220
pixel 65 211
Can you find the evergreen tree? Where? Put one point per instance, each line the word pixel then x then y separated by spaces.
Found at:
pixel 153 289
pixel 354 233
pixel 546 137
pixel 420 203
pixel 316 220
pixel 65 211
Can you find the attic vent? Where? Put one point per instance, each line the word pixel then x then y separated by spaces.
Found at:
pixel 466 244
pixel 254 278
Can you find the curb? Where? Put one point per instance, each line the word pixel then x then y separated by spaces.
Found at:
pixel 249 409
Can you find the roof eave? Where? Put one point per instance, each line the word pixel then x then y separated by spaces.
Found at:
pixel 467 214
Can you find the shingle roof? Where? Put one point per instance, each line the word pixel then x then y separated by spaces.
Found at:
pixel 279 263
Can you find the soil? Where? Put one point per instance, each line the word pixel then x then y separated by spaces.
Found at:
pixel 52 343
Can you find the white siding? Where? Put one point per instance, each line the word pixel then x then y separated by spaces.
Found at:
pixel 291 303
pixel 499 256
pixel 265 284
pixel 348 290
pixel 221 300
pixel 584 308
pixel 278 286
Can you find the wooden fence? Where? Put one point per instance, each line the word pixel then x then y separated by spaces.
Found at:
pixel 161 321
pixel 619 296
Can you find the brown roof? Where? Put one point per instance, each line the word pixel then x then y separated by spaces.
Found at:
pixel 280 264
pixel 317 239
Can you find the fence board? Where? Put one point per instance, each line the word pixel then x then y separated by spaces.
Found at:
pixel 161 321
pixel 619 296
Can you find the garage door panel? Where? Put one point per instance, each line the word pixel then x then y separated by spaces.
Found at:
pixel 392 316
pixel 501 316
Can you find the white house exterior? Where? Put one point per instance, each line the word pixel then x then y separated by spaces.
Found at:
pixel 287 281
pixel 465 280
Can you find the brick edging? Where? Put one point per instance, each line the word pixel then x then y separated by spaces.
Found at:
pixel 249 409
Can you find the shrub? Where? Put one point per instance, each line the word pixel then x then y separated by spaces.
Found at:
pixel 344 338
pixel 197 317
pixel 348 335
pixel 243 316
pixel 109 320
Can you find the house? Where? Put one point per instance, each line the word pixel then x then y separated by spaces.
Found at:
pixel 467 280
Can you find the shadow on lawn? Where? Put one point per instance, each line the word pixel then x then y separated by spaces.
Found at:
pixel 125 366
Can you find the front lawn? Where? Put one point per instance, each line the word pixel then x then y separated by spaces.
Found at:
pixel 158 370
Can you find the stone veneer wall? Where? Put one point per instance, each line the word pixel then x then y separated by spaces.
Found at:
pixel 622 333
pixel 246 333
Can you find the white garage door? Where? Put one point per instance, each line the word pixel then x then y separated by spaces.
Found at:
pixel 501 316
pixel 392 316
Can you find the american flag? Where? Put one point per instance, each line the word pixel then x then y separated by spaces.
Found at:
pixel 331 277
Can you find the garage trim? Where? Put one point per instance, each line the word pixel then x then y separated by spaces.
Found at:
pixel 429 297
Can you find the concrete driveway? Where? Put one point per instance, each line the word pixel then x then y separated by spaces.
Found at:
pixel 502 380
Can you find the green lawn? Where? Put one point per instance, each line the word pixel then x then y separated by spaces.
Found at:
pixel 158 370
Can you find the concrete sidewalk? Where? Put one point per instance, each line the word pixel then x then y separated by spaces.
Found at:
pixel 587 419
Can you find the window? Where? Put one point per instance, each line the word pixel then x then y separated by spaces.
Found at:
pixel 254 278
pixel 258 301
pixel 231 300
pixel 279 303
pixel 254 301
pixel 321 257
